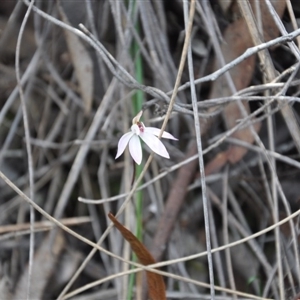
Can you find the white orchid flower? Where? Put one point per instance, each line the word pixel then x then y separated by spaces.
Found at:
pixel 148 134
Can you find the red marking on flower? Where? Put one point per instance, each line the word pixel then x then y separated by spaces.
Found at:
pixel 141 127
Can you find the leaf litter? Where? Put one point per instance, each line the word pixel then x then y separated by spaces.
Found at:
pixel 76 81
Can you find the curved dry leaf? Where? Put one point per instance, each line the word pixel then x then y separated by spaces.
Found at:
pixel 225 5
pixel 237 40
pixel 155 281
pixel 44 265
pixel 82 63
pixel 5 284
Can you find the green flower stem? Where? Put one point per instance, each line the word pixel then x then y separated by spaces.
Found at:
pixel 137 102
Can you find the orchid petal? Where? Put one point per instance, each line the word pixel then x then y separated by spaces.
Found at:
pixel 156 132
pixel 154 144
pixel 123 143
pixel 135 149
